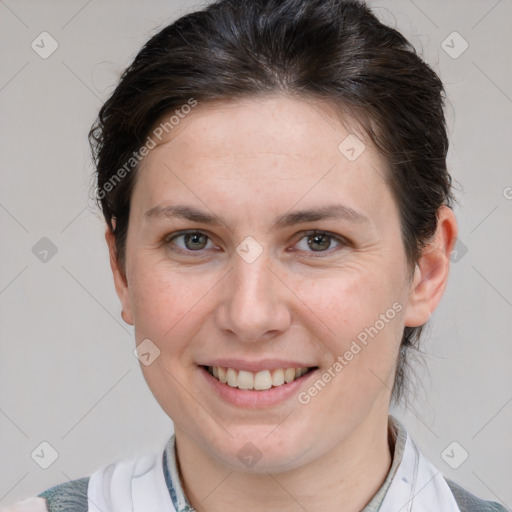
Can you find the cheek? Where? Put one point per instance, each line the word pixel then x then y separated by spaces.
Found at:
pixel 358 316
pixel 165 303
pixel 167 308
pixel 346 302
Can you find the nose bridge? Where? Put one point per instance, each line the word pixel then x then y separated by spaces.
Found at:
pixel 252 309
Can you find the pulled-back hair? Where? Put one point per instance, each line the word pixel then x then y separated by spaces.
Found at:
pixel 331 50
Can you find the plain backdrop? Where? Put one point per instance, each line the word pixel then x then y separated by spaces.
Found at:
pixel 68 376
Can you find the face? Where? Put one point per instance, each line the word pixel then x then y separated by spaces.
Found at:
pixel 261 288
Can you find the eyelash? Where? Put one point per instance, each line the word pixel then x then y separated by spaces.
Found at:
pixel 318 254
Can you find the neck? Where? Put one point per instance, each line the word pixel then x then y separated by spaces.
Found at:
pixel 344 479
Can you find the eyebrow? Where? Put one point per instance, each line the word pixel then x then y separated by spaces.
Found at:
pixel 331 211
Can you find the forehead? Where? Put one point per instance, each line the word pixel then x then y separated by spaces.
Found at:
pixel 266 150
pixel 277 124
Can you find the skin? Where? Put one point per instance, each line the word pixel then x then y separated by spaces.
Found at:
pixel 265 157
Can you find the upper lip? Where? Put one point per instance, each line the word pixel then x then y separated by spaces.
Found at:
pixel 256 366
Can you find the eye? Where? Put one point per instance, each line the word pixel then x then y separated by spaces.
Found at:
pixel 193 241
pixel 196 241
pixel 320 241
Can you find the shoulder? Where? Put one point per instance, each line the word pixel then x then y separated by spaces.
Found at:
pixel 66 497
pixel 468 502
pixel 69 496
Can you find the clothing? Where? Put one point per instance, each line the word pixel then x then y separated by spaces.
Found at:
pixel 152 484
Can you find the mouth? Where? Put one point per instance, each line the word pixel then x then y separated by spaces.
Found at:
pixel 257 381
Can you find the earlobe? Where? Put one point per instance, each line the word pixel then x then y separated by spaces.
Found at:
pixel 120 281
pixel 431 272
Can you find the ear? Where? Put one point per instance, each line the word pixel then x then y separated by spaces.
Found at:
pixel 431 273
pixel 120 280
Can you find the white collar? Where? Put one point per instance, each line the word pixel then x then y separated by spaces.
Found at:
pixel 418 486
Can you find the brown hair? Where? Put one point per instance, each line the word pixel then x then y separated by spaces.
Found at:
pixel 334 50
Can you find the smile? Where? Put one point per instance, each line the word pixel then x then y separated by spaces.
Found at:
pixel 257 381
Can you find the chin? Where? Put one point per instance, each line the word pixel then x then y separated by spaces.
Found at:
pixel 260 448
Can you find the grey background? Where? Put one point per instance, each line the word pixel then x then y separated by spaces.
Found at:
pixel 67 372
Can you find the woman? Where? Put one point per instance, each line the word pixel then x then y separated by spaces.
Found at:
pixel 273 179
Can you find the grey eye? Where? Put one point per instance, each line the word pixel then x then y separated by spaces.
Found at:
pixel 193 241
pixel 317 242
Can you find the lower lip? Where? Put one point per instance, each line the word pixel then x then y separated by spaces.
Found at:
pixel 256 398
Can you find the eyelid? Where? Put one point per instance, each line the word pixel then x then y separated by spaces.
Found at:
pixel 302 234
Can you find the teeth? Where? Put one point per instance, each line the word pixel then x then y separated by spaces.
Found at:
pixel 245 379
pixel 289 374
pixel 232 378
pixel 256 380
pixel 278 377
pixel 222 374
pixel 262 380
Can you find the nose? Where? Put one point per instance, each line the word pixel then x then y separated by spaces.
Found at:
pixel 255 301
